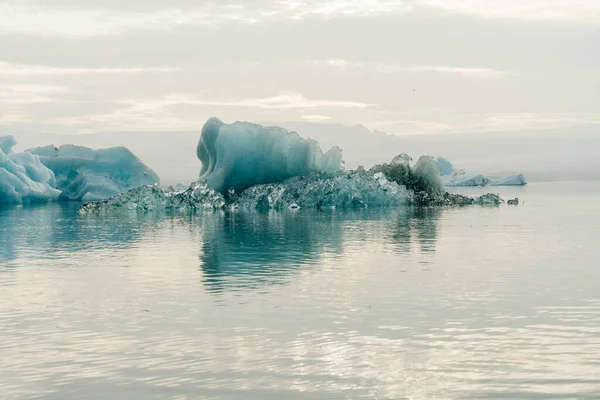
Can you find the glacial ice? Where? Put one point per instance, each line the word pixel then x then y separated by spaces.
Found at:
pixel 7 143
pixel 451 177
pixel 240 155
pixel 425 169
pixel 444 166
pixel 23 178
pixel 89 175
pixel 316 191
pixel 465 178
pixel 313 191
pixel 512 180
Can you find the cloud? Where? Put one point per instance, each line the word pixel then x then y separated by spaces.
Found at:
pixel 36 70
pixel 335 63
pixel 303 8
pixel 464 72
pixel 22 18
pixel 10 116
pixel 29 94
pixel 315 118
pixel 76 20
pixel 580 10
pixel 80 19
pixel 448 122
pixel 161 113
pixel 282 101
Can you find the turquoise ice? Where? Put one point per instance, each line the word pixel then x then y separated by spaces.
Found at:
pixel 92 175
pixel 23 178
pixel 240 155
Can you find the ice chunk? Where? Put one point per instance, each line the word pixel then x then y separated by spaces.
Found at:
pixel 444 166
pixel 465 178
pixel 23 178
pixel 489 199
pixel 240 155
pixel 424 177
pixel 198 196
pixel 403 158
pixel 513 180
pixel 86 174
pixel 6 144
pixel 426 171
pixel 452 177
pixel 316 191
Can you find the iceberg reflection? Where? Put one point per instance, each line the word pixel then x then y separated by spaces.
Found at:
pixel 246 250
pixel 56 230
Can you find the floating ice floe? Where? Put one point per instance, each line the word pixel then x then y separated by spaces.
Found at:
pixel 23 178
pixel 240 155
pixel 314 191
pixel 451 177
pixel 92 175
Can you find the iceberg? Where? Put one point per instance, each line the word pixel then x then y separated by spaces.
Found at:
pixel 422 180
pixel 313 191
pixel 425 171
pixel 317 191
pixel 465 178
pixel 451 177
pixel 7 143
pixel 512 180
pixel 240 155
pixel 23 178
pixel 384 185
pixel 444 166
pixel 84 174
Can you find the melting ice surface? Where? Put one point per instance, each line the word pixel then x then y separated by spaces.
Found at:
pixel 23 178
pixel 240 155
pixel 314 191
pixel 453 177
pixel 91 175
pixel 267 168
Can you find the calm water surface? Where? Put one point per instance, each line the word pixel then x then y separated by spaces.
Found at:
pixel 462 303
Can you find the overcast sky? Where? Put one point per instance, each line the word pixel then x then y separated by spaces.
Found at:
pixel 412 66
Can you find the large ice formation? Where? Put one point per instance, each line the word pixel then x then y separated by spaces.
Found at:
pixel 512 180
pixel 23 178
pixel 91 175
pixel 7 143
pixel 422 180
pixel 453 177
pixel 425 170
pixel 312 191
pixel 240 155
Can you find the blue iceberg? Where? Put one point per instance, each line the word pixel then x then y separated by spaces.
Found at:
pixel 313 191
pixel 23 178
pixel 240 155
pixel 452 177
pixel 93 175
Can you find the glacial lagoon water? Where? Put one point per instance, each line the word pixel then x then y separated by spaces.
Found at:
pixel 457 303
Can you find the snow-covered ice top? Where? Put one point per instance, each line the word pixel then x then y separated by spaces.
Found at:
pixel 88 175
pixel 240 155
pixel 452 177
pixel 23 178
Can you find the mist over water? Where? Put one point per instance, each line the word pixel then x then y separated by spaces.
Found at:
pixel 475 302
